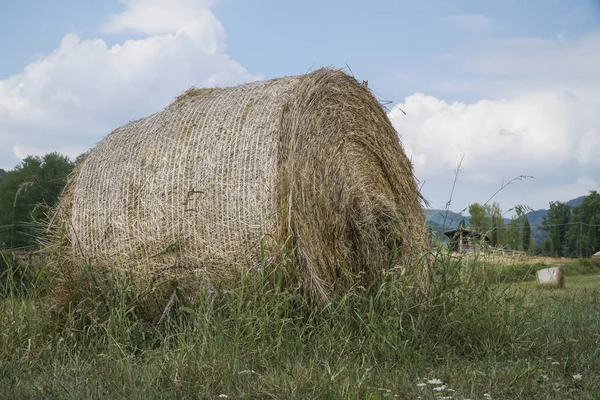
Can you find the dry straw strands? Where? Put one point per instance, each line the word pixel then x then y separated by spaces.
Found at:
pixel 226 178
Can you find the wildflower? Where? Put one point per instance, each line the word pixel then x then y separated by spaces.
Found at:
pixel 421 384
pixel 434 382
pixel 223 396
pixel 440 388
pixel 577 377
pixel 487 395
pixel 555 363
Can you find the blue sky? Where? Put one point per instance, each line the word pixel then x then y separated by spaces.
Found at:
pixel 511 85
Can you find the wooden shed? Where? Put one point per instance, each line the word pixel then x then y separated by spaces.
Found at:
pixel 467 241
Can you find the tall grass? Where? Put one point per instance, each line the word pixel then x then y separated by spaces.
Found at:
pixel 260 341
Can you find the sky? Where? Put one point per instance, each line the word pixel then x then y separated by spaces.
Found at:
pixel 479 92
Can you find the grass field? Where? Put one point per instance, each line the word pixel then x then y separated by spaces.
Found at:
pixel 475 338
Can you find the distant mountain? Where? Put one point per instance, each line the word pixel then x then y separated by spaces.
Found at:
pixel 576 202
pixel 442 220
pixel 445 219
pixel 535 219
pixel 448 219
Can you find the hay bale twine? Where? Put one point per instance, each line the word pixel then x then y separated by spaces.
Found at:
pixel 220 179
pixel 551 277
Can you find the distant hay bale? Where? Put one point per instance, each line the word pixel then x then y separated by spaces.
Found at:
pixel 307 167
pixel 551 277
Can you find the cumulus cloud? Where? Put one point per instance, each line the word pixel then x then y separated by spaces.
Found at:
pixel 540 119
pixel 23 151
pixel 531 134
pixel 160 16
pixel 589 148
pixel 526 133
pixel 73 96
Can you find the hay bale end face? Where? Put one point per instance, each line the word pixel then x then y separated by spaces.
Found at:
pixel 551 277
pixel 227 178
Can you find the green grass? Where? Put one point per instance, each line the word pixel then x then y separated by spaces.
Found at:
pixel 507 339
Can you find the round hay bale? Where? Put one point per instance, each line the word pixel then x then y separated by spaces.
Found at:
pixel 551 277
pixel 306 166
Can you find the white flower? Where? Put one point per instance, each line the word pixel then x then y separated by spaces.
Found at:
pixel 555 363
pixel 434 382
pixel 577 377
pixel 421 384
pixel 440 388
pixel 487 395
pixel 223 396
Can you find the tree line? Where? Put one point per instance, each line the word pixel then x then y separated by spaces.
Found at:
pixel 571 231
pixel 27 192
pixel 488 219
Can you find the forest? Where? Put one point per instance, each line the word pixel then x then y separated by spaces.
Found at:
pixel 26 194
pixel 567 229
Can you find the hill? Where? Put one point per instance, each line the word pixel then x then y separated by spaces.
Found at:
pixel 576 202
pixel 535 219
pixel 442 220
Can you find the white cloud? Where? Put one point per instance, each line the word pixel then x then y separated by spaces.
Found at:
pixel 524 134
pixel 540 119
pixel 157 16
pixel 79 92
pixel 160 17
pixel 21 151
pixel 589 148
pixel 24 151
pixel 532 134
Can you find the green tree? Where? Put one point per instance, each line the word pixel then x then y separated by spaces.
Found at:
pixel 582 235
pixel 547 246
pixel 488 219
pixel 514 233
pixel 499 231
pixel 594 235
pixel 26 193
pixel 526 235
pixel 479 221
pixel 555 222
